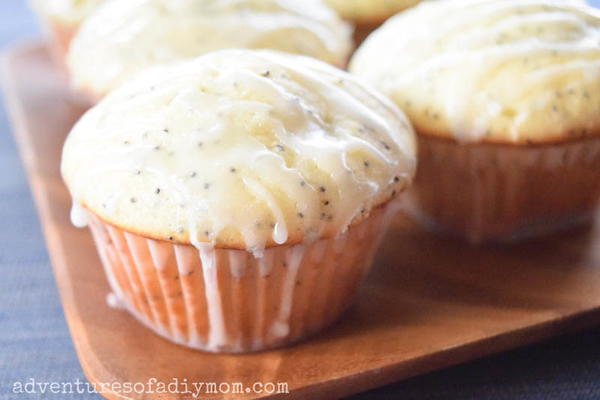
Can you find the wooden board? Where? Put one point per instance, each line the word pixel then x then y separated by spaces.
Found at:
pixel 429 303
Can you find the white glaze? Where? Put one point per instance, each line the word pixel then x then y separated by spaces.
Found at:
pixel 280 153
pixel 217 335
pixel 510 71
pixel 124 37
pixel 281 325
pixel 79 216
pixel 113 301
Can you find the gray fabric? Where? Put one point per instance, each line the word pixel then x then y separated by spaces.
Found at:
pixel 35 342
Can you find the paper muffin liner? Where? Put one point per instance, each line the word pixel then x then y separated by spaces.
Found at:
pixel 489 192
pixel 224 300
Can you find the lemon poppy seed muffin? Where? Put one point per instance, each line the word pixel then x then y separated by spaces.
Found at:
pixel 125 37
pixel 505 98
pixel 62 18
pixel 253 174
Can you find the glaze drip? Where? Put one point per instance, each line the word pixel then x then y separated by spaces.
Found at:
pixel 240 149
pixel 122 38
pixel 503 71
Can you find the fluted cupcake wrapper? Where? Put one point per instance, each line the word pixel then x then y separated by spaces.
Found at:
pixel 225 300
pixel 487 192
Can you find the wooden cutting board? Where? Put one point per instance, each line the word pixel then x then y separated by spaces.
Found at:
pixel 428 304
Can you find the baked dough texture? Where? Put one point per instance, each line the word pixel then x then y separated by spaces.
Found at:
pixel 123 38
pixel 239 148
pixel 511 71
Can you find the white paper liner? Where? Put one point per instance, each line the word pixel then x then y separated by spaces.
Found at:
pixel 224 300
pixel 503 192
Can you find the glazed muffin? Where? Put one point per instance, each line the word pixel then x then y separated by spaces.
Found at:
pixel 368 14
pixel 125 37
pixel 505 100
pixel 61 19
pixel 237 200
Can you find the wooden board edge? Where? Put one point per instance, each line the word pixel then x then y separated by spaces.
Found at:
pixel 56 252
pixel 344 385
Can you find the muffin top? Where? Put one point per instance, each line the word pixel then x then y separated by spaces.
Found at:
pixel 369 11
pixel 511 71
pixel 69 11
pixel 124 37
pixel 241 148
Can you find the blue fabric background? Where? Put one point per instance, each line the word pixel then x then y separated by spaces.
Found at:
pixel 35 342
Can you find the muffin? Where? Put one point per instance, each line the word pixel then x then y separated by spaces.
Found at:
pixel 125 37
pixel 505 100
pixel 61 19
pixel 368 14
pixel 237 200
